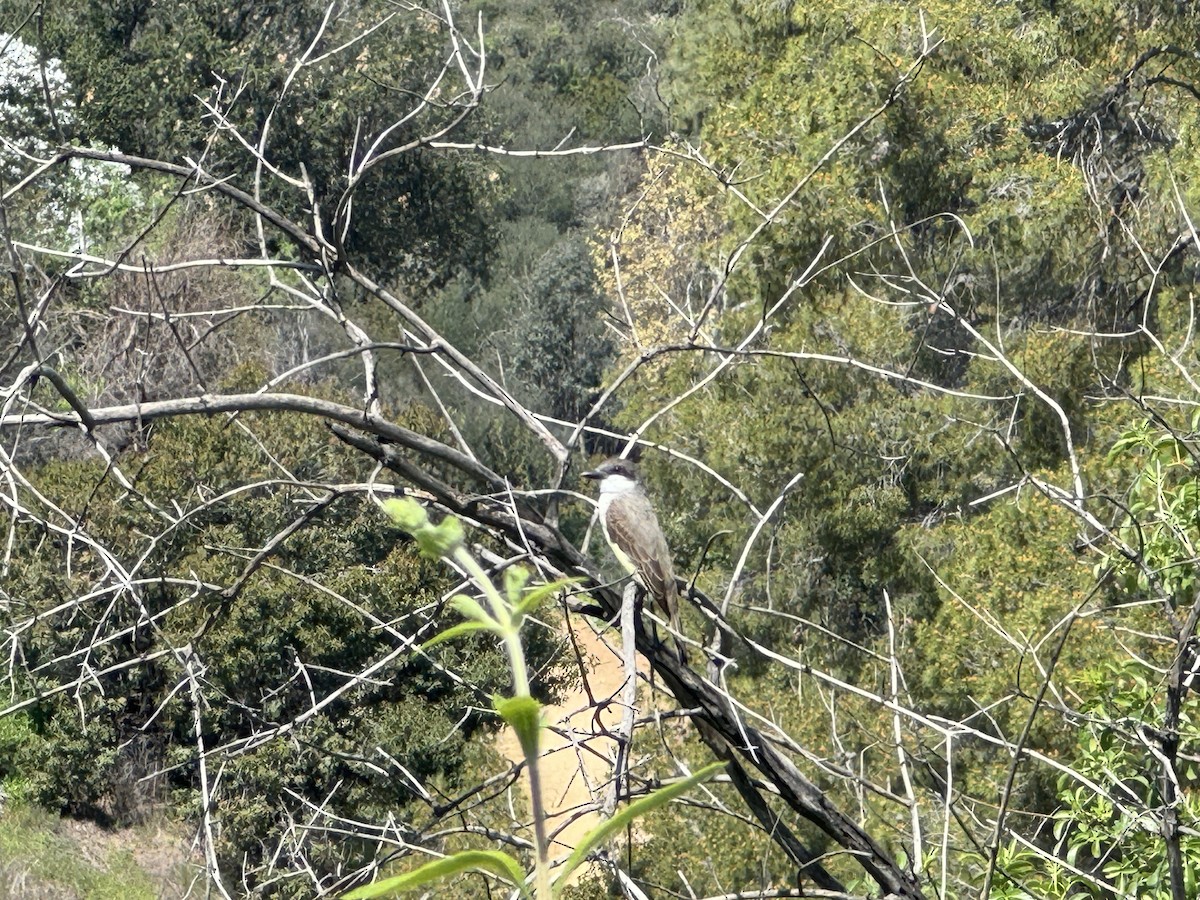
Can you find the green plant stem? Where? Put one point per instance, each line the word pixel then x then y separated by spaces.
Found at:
pixel 542 869
pixel 501 612
pixel 516 654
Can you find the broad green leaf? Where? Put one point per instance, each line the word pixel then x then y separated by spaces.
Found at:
pixel 605 830
pixel 534 596
pixel 470 608
pixel 442 539
pixel 435 541
pixel 524 716
pixel 457 631
pixel 493 861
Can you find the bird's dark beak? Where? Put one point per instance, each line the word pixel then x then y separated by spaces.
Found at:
pixel 594 474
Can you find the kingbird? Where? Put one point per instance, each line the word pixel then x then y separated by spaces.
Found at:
pixel 631 529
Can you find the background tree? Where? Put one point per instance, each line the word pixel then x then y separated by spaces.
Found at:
pixel 906 307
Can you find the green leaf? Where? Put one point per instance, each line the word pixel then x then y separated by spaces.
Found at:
pixel 534 596
pixel 407 513
pixel 470 608
pixel 524 716
pixel 493 861
pixel 457 631
pixel 604 830
pixel 515 579
pixel 435 541
pixel 442 539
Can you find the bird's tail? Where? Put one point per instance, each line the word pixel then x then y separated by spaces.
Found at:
pixel 671 604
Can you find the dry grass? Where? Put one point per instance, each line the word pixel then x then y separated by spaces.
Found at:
pixel 42 856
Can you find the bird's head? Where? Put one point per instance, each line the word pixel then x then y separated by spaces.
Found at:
pixel 614 474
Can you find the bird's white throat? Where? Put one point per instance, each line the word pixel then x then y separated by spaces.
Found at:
pixel 617 484
pixel 613 487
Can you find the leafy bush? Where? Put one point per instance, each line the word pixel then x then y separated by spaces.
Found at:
pixel 300 677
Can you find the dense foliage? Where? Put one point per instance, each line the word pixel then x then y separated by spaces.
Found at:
pixel 1016 201
pixel 153 79
pixel 338 597
pixel 899 302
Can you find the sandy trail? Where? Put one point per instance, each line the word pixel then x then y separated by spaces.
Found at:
pixel 568 767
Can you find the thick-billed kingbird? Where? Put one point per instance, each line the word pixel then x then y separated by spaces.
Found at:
pixel 632 530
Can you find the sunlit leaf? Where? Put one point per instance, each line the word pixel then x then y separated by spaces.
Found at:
pixel 606 829
pixel 493 861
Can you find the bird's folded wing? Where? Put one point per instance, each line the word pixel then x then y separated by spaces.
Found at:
pixel 651 558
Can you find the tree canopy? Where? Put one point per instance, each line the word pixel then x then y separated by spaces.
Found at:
pixel 895 305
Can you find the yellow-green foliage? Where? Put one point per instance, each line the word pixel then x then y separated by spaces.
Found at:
pixel 710 847
pixel 663 251
pixel 1021 176
pixel 783 84
pixel 1008 583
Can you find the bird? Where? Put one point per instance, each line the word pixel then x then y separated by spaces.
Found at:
pixel 632 531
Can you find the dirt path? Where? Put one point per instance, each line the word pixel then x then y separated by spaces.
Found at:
pixel 569 767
